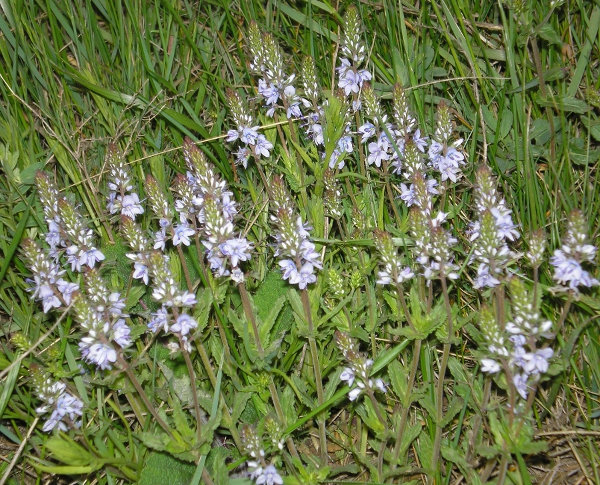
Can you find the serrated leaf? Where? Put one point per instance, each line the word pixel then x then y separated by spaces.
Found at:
pixel 583 156
pixel 488 452
pixel 595 131
pixel 216 462
pixel 425 450
pixel 451 454
pixel 272 287
pixel 330 314
pixel 410 434
pixel 135 295
pixel 506 123
pixel 203 308
pixel 497 430
pixel 457 370
pixel 399 380
pixel 157 442
pixel 183 389
pixel 566 104
pixel 208 428
pixel 239 404
pixel 66 470
pixel 264 327
pixel 453 409
pixel 429 406
pixel 180 421
pixel 332 384
pixel 548 33
pixel 289 410
pixel 369 417
pixel 161 468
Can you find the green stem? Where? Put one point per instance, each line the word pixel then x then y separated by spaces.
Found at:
pixel 440 385
pixel 192 373
pixel 563 315
pixel 138 387
pixel 274 395
pixel 317 370
pixel 250 317
pixel 213 380
pixel 188 280
pixel 502 471
pixel 406 403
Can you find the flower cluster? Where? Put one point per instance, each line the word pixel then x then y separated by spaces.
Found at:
pixel 575 250
pixel 48 285
pixel 444 155
pixel 139 243
pixel 433 243
pixel 275 84
pixel 393 272
pixel 491 231
pixel 224 249
pixel 66 228
pixel 353 54
pixel 333 195
pixel 298 256
pixel 100 313
pixel 515 349
pixel 358 370
pixel 261 472
pixel 253 143
pixel 64 408
pixel 121 197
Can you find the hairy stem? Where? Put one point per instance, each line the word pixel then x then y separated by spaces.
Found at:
pixel 138 387
pixel 406 403
pixel 317 370
pixel 274 395
pixel 188 280
pixel 213 380
pixel 192 374
pixel 440 385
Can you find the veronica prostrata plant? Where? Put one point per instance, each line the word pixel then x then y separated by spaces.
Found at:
pixel 330 313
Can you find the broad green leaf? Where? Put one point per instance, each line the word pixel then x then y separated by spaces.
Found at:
pixel 161 468
pixel 566 104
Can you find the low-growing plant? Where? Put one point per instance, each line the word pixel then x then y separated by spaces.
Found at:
pixel 358 304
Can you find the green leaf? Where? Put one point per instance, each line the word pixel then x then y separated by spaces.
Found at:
pixel 65 450
pixel 8 385
pixel 181 424
pixel 566 104
pixel 425 450
pixel 523 469
pixel 430 406
pixel 264 328
pixel 272 287
pixel 450 453
pixel 153 441
pixel 548 33
pixel 384 358
pixel 410 434
pixel 134 296
pixel 67 470
pixel 239 405
pixel 399 380
pixel 203 308
pixel 453 409
pixel 216 462
pixel 161 468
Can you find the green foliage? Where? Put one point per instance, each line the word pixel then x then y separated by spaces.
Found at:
pixel 521 81
pixel 160 468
